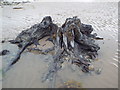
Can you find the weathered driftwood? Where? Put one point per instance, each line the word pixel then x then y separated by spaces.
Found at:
pixel 32 35
pixel 54 66
pixel 76 44
pixel 36 32
pixel 73 41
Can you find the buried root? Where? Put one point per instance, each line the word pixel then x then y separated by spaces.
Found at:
pixel 73 41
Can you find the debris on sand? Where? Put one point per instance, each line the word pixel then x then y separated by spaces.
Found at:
pixel 71 84
pixel 31 36
pixel 17 7
pixel 2 41
pixel 4 52
pixel 73 41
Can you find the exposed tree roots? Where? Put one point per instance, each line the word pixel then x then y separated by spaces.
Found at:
pixel 73 41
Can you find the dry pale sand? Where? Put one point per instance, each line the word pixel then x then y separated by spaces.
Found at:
pixel 27 73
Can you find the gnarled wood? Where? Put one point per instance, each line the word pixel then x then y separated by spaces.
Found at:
pixel 72 41
pixel 32 35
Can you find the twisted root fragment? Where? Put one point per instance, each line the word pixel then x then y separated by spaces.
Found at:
pixel 73 41
pixel 31 36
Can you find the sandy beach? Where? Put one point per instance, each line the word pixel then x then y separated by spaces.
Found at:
pixel 28 71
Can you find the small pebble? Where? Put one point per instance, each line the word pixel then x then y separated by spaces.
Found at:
pixel 4 52
pixel 91 67
pixel 98 71
pixel 2 41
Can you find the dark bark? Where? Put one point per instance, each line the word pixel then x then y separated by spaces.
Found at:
pixel 73 41
pixel 32 35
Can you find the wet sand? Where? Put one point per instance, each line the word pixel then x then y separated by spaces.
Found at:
pixel 28 72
